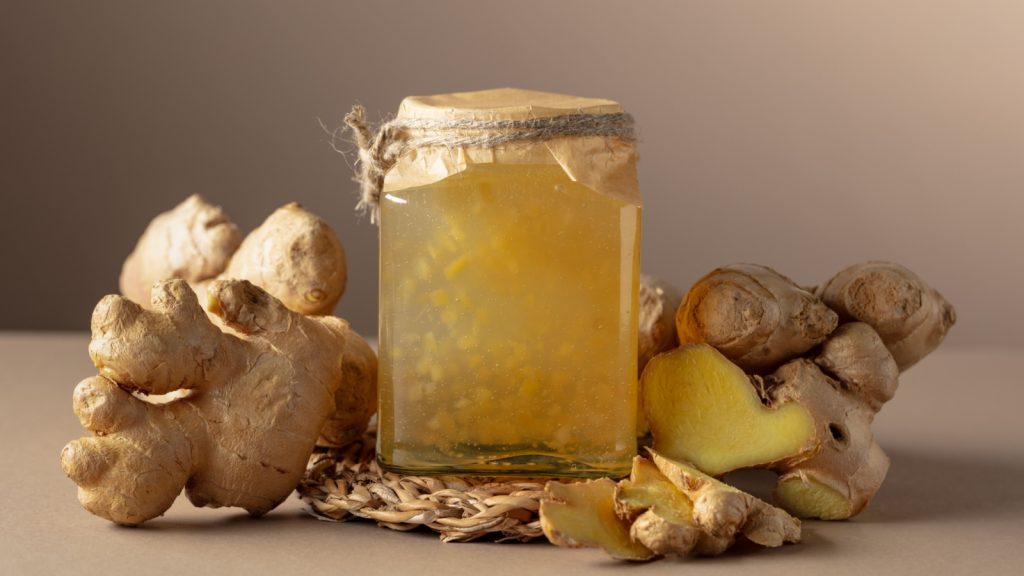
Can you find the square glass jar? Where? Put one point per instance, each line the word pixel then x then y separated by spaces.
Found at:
pixel 508 296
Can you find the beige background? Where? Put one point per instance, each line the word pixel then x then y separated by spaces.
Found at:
pixel 804 135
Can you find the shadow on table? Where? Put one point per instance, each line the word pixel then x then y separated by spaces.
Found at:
pixel 921 486
pixel 239 521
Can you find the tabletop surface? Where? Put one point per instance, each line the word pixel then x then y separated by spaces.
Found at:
pixel 953 502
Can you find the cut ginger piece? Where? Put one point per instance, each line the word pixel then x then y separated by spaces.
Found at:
pixel 704 409
pixel 582 515
pixel 665 507
pixel 808 498
pixel 662 515
pixel 724 511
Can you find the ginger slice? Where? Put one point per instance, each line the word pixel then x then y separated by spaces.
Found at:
pixel 724 511
pixel 703 409
pixel 582 515
pixel 808 498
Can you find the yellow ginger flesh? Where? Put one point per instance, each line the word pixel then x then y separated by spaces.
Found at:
pixel 583 515
pixel 703 409
pixel 509 335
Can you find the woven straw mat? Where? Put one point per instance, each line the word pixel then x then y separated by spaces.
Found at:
pixel 345 483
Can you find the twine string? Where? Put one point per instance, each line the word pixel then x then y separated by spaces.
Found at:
pixel 378 152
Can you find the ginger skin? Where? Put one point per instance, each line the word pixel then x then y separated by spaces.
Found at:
pixel 293 255
pixel 296 257
pixel 193 241
pixel 355 402
pixel 833 469
pixel 911 317
pixel 753 315
pixel 658 302
pixel 240 435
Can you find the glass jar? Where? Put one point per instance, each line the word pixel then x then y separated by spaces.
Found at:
pixel 508 290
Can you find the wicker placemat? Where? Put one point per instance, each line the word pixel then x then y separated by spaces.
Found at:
pixel 345 483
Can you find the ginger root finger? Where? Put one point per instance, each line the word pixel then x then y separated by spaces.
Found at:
pixel 704 409
pixel 154 352
pixel 911 317
pixel 297 257
pixel 856 356
pixel 138 462
pixel 294 255
pixel 356 401
pixel 193 241
pixel 755 316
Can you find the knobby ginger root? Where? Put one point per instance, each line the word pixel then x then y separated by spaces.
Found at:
pixel 798 421
pixel 755 316
pixel 293 255
pixel 664 508
pixel 242 434
pixel 843 475
pixel 911 317
pixel 699 408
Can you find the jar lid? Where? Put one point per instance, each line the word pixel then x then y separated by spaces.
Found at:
pixel 502 104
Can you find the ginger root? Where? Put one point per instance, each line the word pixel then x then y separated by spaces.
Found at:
pixel 193 241
pixel 250 403
pixel 755 316
pixel 293 255
pixel 810 419
pixel 911 317
pixel 664 508
pixel 355 402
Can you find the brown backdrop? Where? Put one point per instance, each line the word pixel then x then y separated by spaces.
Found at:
pixel 804 135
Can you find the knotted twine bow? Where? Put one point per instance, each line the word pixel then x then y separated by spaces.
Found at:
pixel 379 152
